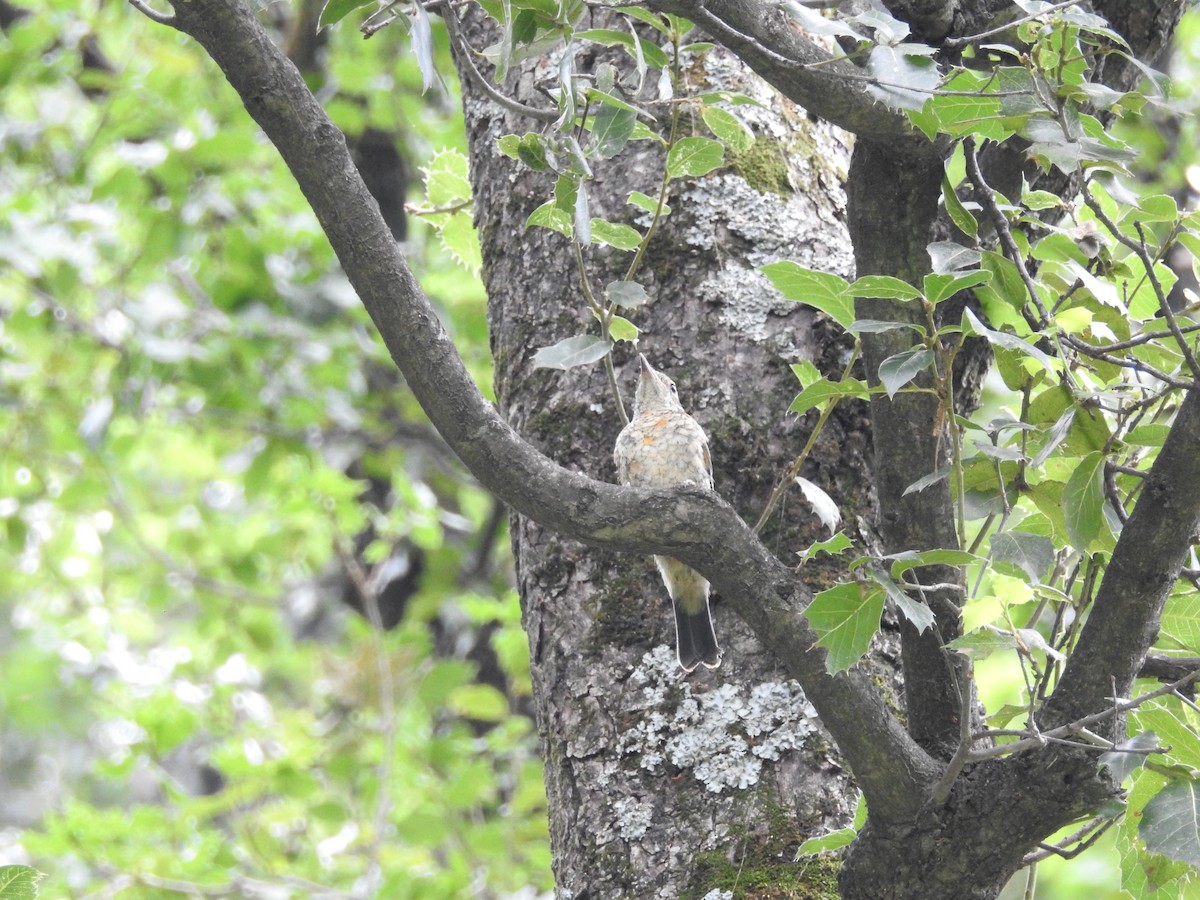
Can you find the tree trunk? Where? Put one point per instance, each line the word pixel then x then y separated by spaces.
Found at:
pixel 660 783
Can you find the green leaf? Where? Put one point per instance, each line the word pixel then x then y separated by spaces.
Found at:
pixel 481 702
pixel 959 214
pixel 447 180
pixel 336 10
pixel 728 128
pixel 615 234
pixel 548 215
pixel 629 294
pixel 1170 822
pixel 884 287
pixel 579 350
pixel 694 156
pixel 1006 340
pixel 621 329
pixel 611 129
pixel 822 391
pixel 19 882
pixel 947 257
pixel 898 370
pixel 1181 622
pixel 939 287
pixel 649 204
pixel 845 618
pixel 1083 501
pixel 1006 285
pixel 839 543
pixel 826 292
pixel 462 241
pixel 1033 554
pixel 920 615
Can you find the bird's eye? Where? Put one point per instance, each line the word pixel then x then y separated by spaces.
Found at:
pixel 674 390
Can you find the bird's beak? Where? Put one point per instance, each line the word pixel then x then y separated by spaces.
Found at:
pixel 647 371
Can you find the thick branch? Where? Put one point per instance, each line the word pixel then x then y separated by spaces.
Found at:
pixel 696 526
pixel 762 35
pixel 892 199
pixel 1145 565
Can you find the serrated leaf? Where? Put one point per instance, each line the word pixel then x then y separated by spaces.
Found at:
pixel 1033 554
pixel 1083 501
pixel 845 618
pixel 884 287
pixel 983 642
pixel 898 370
pixel 694 156
pixel 19 882
pixel 925 481
pixel 905 78
pixel 462 241
pixel 615 234
pixel 579 350
pixel 1170 822
pixel 826 292
pixel 728 128
pixel 621 329
pixel 813 22
pixel 907 560
pixel 629 294
pixel 839 543
pixel 447 179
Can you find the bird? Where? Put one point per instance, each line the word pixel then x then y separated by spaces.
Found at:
pixel 662 446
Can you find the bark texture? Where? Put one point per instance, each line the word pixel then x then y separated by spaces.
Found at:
pixel 660 783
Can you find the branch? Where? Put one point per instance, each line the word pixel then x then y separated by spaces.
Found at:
pixel 763 37
pixel 1145 564
pixel 691 524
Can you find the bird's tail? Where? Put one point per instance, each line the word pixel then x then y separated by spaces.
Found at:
pixel 695 640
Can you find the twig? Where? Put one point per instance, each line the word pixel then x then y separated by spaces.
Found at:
pixel 1096 827
pixel 963 753
pixel 953 43
pixel 1079 726
pixel 152 14
pixel 467 53
pixel 984 195
pixel 1127 363
pixel 1139 249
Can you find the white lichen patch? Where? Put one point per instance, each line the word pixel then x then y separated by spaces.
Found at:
pixel 633 817
pixel 722 736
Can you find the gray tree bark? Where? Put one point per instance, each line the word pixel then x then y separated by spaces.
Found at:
pixel 663 784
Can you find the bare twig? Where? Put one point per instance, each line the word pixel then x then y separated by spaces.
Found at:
pixel 152 14
pixel 468 58
pixel 983 193
pixel 952 43
pixel 1079 726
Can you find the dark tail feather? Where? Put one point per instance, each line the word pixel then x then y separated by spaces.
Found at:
pixel 695 639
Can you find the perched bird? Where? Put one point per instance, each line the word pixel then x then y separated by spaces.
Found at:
pixel 662 445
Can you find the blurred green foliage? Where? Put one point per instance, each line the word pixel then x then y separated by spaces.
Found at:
pixel 196 418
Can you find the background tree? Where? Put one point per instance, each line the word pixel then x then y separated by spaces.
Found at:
pixel 948 815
